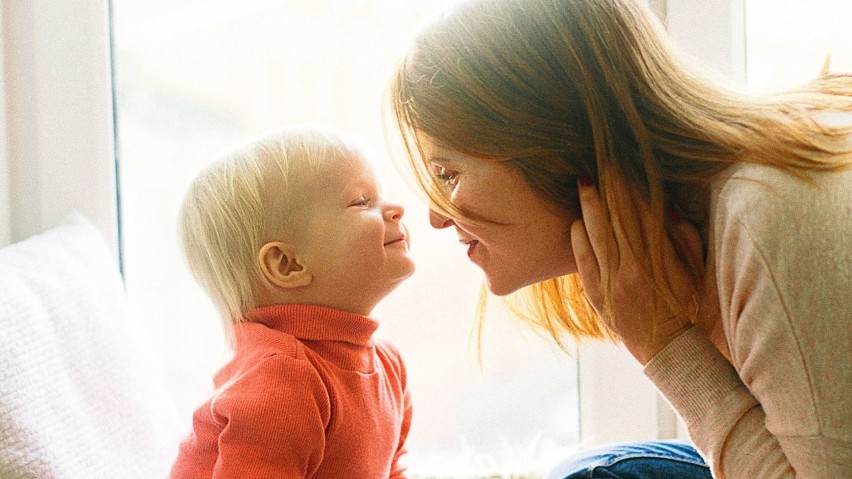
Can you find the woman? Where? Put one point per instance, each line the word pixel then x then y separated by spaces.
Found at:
pixel 581 161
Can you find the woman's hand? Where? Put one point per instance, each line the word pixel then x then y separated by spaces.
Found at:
pixel 638 315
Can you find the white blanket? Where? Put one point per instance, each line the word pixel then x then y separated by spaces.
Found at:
pixel 76 398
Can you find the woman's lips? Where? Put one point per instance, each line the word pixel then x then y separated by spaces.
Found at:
pixel 470 247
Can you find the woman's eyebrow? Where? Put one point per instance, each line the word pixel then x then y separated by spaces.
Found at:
pixel 442 160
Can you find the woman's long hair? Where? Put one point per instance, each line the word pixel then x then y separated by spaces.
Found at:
pixel 568 88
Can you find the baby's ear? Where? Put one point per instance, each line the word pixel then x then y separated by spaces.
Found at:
pixel 279 265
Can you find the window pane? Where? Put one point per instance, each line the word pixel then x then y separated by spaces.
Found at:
pixel 788 40
pixel 194 77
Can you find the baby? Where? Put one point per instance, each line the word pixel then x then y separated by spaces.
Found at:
pixel 294 244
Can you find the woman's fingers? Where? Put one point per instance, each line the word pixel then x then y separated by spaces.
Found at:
pixel 689 242
pixel 587 263
pixel 597 227
pixel 683 256
pixel 638 313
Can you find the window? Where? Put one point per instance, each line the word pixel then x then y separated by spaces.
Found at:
pixel 787 41
pixel 194 78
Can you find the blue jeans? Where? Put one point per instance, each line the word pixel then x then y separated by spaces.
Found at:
pixel 640 460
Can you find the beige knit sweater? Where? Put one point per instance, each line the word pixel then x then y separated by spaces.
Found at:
pixel 781 256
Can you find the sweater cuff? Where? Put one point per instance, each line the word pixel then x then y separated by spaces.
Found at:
pixel 693 375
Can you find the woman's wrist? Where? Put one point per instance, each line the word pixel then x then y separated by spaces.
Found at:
pixel 644 350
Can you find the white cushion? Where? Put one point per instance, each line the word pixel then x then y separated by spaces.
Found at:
pixel 77 400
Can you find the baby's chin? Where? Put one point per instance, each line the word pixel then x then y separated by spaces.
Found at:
pixel 404 274
pixel 409 273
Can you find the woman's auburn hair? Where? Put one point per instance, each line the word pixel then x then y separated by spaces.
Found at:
pixel 567 88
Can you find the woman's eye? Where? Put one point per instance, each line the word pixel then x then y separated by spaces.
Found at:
pixel 446 176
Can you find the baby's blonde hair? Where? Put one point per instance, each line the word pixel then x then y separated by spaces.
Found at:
pixel 244 199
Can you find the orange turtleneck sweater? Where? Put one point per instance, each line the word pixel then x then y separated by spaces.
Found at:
pixel 308 394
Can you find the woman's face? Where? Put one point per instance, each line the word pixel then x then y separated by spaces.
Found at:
pixel 525 240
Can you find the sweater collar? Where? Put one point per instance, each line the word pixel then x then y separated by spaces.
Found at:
pixel 318 323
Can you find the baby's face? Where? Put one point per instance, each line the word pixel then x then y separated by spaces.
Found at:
pixel 354 241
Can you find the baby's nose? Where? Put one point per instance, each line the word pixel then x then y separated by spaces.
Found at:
pixel 394 212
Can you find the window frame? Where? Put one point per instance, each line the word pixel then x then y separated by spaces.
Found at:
pixel 58 147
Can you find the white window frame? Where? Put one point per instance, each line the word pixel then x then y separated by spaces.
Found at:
pixel 57 154
pixel 57 142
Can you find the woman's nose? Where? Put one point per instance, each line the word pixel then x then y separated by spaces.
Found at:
pixel 439 221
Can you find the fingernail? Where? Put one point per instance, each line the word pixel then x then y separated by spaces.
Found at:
pixel 585 181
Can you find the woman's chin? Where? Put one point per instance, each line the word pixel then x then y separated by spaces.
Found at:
pixel 501 289
pixel 504 287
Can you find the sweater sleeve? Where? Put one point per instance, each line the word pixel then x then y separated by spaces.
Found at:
pixel 783 272
pixel 273 420
pixel 724 419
